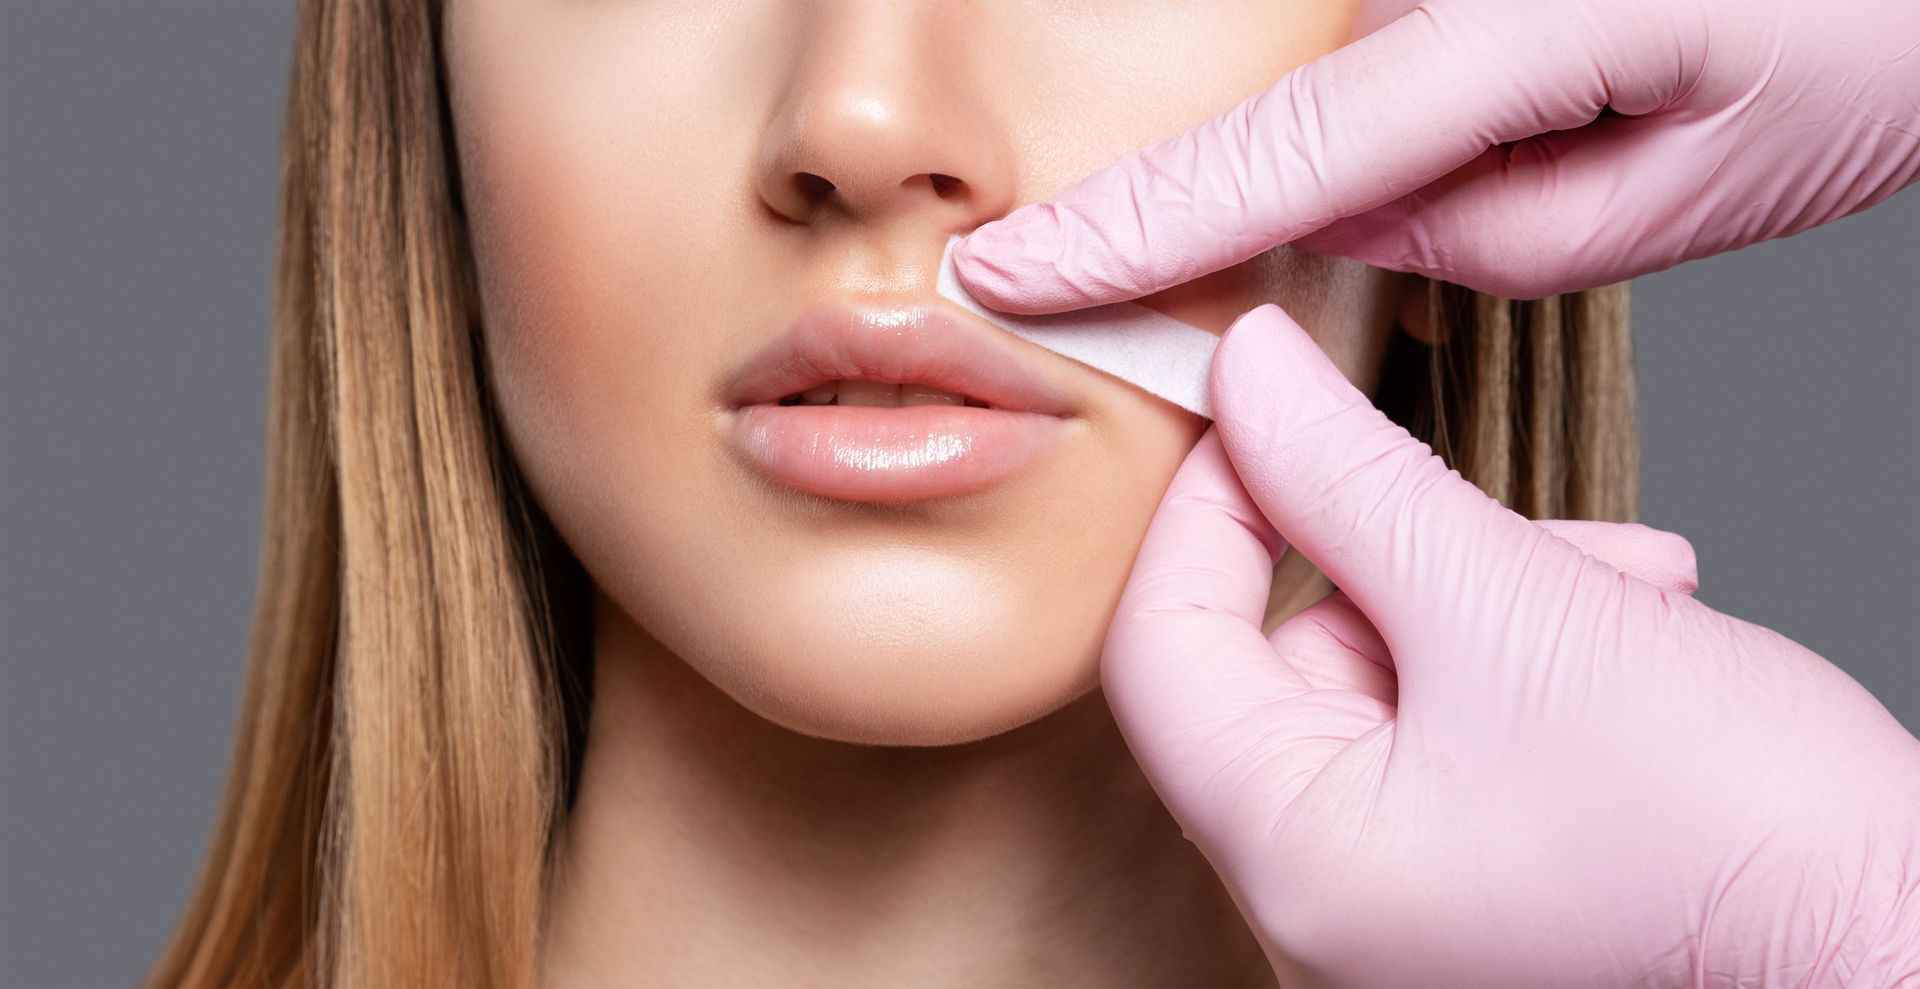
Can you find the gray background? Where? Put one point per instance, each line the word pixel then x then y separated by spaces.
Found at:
pixel 1780 393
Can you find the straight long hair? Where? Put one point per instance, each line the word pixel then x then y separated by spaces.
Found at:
pixel 415 696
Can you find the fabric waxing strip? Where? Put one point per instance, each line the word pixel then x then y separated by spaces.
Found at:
pixel 1148 348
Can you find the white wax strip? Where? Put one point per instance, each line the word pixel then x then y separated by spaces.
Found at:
pixel 1125 339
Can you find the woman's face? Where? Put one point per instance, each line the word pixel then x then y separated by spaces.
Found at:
pixel 658 189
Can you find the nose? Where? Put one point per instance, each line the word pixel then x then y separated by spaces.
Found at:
pixel 878 125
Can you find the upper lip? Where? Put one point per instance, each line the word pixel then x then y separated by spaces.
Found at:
pixel 921 343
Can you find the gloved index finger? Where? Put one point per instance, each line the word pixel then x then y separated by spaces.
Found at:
pixel 1356 128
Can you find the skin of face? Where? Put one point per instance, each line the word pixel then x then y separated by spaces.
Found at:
pixel 628 171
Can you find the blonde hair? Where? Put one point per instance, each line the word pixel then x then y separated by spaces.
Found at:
pixel 414 702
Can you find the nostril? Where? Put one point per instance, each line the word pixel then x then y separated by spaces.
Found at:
pixel 946 185
pixel 811 187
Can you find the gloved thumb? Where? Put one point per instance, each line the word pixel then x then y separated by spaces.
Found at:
pixel 1415 545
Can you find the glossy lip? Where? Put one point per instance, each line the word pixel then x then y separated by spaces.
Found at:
pixel 920 343
pixel 906 453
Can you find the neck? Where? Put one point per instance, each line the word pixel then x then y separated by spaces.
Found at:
pixel 709 845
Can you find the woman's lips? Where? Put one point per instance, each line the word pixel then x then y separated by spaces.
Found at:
pixel 861 453
pixel 891 453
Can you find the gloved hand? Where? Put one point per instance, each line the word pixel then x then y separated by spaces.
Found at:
pixel 1680 128
pixel 1493 757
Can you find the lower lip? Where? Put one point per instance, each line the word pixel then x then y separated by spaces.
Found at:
pixel 902 453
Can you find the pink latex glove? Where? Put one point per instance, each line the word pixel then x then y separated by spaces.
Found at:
pixel 1682 128
pixel 1493 757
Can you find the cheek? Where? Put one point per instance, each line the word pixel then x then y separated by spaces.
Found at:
pixel 598 291
pixel 1124 75
pixel 1347 307
pixel 603 197
pixel 593 288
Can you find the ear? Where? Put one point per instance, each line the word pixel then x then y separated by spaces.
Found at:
pixel 1419 313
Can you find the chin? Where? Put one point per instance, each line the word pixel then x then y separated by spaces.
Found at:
pixel 907 648
pixel 879 703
